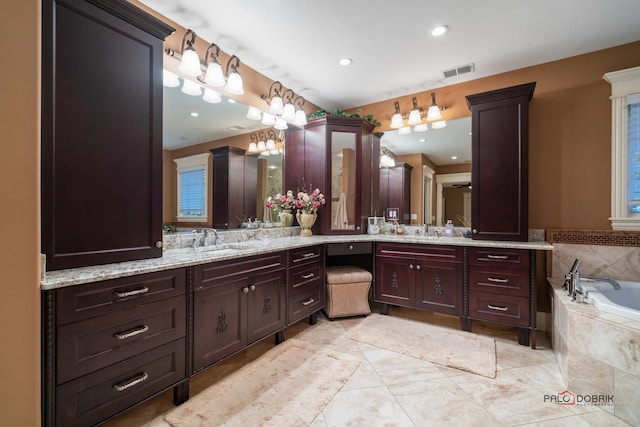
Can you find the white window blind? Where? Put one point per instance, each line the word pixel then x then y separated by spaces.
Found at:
pixel 633 153
pixel 192 176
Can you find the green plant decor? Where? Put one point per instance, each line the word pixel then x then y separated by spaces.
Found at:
pixel 339 113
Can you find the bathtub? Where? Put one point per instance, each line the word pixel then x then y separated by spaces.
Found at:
pixel 624 302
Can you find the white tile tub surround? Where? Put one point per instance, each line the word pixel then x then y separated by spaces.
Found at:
pixel 616 262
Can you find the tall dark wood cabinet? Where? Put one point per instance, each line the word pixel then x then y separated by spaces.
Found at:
pixel 101 132
pixel 235 186
pixel 341 157
pixel 395 191
pixel 500 143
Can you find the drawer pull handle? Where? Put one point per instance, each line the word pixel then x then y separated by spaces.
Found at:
pixel 308 301
pixel 493 279
pixel 308 276
pixel 497 256
pixel 494 307
pixel 135 381
pixel 131 333
pixel 130 293
pixel 308 255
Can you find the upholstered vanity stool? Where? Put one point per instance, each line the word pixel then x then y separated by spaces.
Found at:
pixel 347 291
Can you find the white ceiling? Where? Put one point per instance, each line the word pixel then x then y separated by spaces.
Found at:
pixel 300 42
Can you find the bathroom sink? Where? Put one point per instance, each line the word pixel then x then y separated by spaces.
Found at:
pixel 224 248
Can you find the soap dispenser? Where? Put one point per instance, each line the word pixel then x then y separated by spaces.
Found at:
pixel 448 229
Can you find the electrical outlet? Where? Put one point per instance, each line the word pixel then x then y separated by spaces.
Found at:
pixel 414 216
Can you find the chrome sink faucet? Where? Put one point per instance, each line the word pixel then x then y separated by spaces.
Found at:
pixel 206 234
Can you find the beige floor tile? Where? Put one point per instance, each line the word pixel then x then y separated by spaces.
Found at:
pixel 384 360
pixel 365 376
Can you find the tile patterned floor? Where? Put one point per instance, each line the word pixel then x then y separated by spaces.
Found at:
pixel 391 389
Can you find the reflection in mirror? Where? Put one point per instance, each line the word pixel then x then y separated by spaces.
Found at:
pixel 434 155
pixel 189 121
pixel 343 180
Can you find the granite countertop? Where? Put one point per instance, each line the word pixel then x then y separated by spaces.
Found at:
pixel 183 257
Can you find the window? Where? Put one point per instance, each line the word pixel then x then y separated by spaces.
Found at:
pixel 192 175
pixel 625 148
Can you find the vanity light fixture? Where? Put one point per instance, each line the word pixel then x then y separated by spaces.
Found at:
pixel 274 99
pixel 190 61
pixel 214 75
pixel 404 130
pixel 280 124
pixel 415 117
pixel 234 79
pixel 396 120
pixel 254 113
pixel 301 116
pixel 211 96
pixel 422 127
pixel 169 79
pixel 253 144
pixel 271 137
pixel 433 113
pixel 268 119
pixel 439 124
pixel 387 158
pixel 191 88
pixel 262 145
pixel 289 111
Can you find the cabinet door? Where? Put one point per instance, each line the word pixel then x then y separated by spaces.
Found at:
pixel 219 322
pixel 439 287
pixel 101 135
pixel 266 304
pixel 395 280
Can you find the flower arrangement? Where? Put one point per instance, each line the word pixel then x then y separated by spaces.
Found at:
pixel 281 202
pixel 309 203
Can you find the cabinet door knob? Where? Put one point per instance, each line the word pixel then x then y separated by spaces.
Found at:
pixel 245 290
pixel 418 267
pixel 411 266
pixel 159 244
pixel 252 287
pixel 350 247
pixel 475 230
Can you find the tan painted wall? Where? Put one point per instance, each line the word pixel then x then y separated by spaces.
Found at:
pixel 569 138
pixel 20 216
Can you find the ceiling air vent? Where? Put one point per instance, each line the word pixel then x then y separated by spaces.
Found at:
pixel 462 69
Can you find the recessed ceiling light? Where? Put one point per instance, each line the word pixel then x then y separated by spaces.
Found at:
pixel 231 100
pixel 423 140
pixel 439 30
pixel 346 61
pixel 454 157
pixel 194 114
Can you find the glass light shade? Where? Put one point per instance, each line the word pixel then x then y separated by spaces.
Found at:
pixel 414 118
pixel 252 147
pixel 422 127
pixel 261 146
pixel 396 121
pixel 265 153
pixel 234 84
pixel 301 118
pixel 191 88
pixel 276 107
pixel 214 75
pixel 254 113
pixel 271 144
pixel 268 119
pixel 280 124
pixel 289 113
pixel 169 79
pixel 433 113
pixel 439 125
pixel 211 96
pixel 405 130
pixel 190 63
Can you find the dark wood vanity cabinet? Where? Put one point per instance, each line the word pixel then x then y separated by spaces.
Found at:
pixel 499 149
pixel 341 157
pixel 236 303
pixel 502 289
pixel 395 191
pixel 111 345
pixel 235 191
pixel 305 283
pixel 101 132
pixel 428 277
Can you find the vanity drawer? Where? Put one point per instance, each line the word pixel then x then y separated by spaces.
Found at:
pixel 217 273
pixel 93 398
pixel 84 301
pixel 304 255
pixel 305 302
pixel 92 344
pixel 421 251
pixel 514 258
pixel 352 248
pixel 499 280
pixel 305 276
pixel 505 309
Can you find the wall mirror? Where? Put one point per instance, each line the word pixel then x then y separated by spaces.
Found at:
pixel 444 188
pixel 343 181
pixel 189 121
